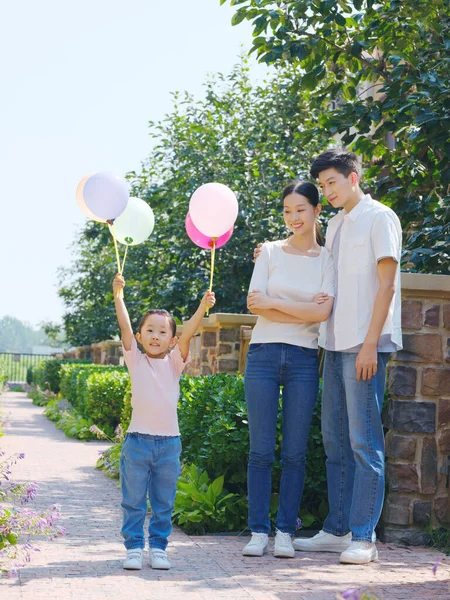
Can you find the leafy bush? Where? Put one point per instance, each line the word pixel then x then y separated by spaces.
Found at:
pixel 104 398
pixel 39 397
pixel 47 374
pixel 202 505
pixel 74 387
pixel 66 418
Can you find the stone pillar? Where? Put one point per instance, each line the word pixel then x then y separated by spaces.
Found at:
pixel 418 414
pixel 216 347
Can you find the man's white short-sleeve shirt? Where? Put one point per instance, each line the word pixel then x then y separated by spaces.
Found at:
pixel 369 232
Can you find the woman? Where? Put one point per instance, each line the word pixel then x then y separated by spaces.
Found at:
pixel 291 291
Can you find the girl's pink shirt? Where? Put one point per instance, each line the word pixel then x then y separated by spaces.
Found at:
pixel 155 389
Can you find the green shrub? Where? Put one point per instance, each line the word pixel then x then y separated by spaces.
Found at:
pixel 39 397
pixel 104 398
pixel 202 505
pixel 109 461
pixel 29 378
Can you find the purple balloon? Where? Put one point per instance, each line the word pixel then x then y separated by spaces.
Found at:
pixel 105 195
pixel 202 240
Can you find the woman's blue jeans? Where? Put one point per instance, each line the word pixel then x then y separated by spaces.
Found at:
pixel 354 444
pixel 295 369
pixel 149 465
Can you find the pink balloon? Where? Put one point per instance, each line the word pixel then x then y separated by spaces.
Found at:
pixel 213 209
pixel 203 240
pixel 82 204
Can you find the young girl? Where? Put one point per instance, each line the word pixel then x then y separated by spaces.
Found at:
pixel 285 293
pixel 150 460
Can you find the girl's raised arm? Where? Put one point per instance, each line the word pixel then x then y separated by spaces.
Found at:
pixel 126 331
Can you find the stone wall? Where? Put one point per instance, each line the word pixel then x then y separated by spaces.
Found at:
pixel 418 414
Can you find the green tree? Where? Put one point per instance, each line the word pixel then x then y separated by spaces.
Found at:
pixel 379 74
pixel 249 137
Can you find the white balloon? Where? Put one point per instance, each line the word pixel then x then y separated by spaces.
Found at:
pixel 135 224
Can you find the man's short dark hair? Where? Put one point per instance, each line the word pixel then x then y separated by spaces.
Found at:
pixel 343 161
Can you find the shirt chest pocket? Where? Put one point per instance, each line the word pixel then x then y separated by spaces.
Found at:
pixel 358 258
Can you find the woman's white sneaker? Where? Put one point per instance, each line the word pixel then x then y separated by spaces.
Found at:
pixel 283 545
pixel 359 553
pixel 323 542
pixel 257 546
pixel 158 559
pixel 133 559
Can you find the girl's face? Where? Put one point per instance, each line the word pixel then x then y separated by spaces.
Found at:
pixel 156 336
pixel 299 214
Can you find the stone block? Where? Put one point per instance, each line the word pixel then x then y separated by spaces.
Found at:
pixel 209 339
pixel 413 417
pixel 447 352
pixel 432 316
pixel 441 509
pixel 405 537
pixel 237 346
pixel 421 347
pixel 421 512
pixel 402 477
pixel 397 510
pixel 402 381
pixel 227 365
pixel 400 446
pixel 229 334
pixel 412 314
pixel 206 370
pixel 204 355
pixel 443 412
pixel 436 382
pixel 446 313
pixel 428 466
pixel 444 442
pixel 224 349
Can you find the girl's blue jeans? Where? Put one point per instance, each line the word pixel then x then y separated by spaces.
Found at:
pixel 295 369
pixel 149 466
pixel 354 444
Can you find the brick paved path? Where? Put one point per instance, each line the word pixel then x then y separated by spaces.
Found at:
pixel 86 564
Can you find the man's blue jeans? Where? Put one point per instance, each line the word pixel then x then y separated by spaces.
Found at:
pixel 149 464
pixel 270 366
pixel 354 444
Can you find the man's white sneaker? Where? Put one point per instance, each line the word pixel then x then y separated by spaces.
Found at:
pixel 283 545
pixel 257 546
pixel 158 559
pixel 133 559
pixel 359 553
pixel 323 542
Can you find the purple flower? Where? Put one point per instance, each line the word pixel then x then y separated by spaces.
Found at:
pixel 435 566
pixel 351 594
pixel 299 523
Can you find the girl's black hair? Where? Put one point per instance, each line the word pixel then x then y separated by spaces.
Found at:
pixel 311 193
pixel 164 313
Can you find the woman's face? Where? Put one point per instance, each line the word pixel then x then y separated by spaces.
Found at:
pixel 299 214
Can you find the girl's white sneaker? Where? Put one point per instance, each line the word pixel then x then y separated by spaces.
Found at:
pixel 133 559
pixel 158 559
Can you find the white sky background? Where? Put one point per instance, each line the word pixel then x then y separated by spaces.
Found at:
pixel 79 82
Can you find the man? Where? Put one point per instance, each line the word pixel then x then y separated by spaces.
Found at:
pixel 364 328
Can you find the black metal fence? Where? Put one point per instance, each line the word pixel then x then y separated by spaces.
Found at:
pixel 16 365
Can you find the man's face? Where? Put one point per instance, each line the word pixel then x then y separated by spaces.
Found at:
pixel 337 188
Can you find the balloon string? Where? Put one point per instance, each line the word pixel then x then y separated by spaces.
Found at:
pixel 124 258
pixel 213 255
pixel 119 269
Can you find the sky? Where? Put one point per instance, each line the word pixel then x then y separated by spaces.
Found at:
pixel 80 82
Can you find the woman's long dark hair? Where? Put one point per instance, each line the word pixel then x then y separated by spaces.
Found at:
pixel 310 192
